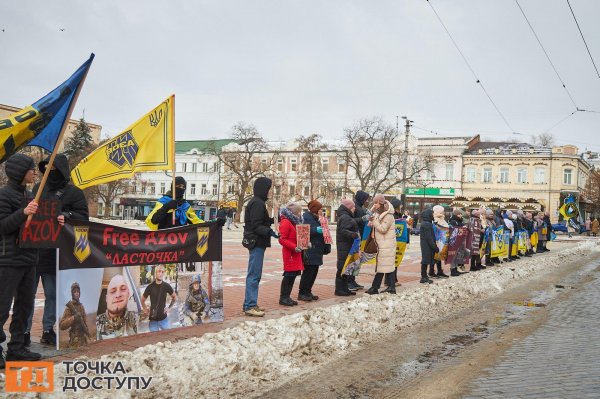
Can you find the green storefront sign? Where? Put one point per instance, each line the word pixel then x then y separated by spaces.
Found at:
pixel 430 191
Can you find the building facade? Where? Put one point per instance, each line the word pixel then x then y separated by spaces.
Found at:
pixel 521 176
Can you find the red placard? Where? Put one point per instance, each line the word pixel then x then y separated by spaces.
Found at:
pixel 326 232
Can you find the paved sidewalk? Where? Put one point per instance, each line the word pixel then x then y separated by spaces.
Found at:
pixel 235 259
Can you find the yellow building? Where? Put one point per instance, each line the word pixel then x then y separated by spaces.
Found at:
pixel 521 176
pixel 95 130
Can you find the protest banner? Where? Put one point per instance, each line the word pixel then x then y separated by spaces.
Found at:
pixel 474 237
pixel 43 230
pixel 115 281
pixel 326 232
pixel 441 240
pixel 458 254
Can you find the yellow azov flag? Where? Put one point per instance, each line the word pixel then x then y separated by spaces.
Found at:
pixel 145 145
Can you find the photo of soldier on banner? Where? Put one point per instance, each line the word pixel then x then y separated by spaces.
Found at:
pixel 77 301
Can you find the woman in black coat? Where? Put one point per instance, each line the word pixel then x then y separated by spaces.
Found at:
pixel 346 232
pixel 313 257
pixel 428 245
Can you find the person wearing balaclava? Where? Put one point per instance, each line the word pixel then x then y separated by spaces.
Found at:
pixel 73 206
pixel 361 215
pixel 257 238
pixel 17 265
pixel 161 216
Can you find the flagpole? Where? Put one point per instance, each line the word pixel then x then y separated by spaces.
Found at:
pixel 58 141
pixel 173 148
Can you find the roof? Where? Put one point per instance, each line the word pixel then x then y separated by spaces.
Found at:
pixel 200 145
pixel 507 148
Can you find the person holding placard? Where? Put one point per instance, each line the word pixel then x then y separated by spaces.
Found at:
pixel 289 218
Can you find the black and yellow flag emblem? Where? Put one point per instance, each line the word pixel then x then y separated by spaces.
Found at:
pixel 82 244
pixel 202 246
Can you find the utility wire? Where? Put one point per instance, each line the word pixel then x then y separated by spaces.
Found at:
pixel 546 53
pixel 583 38
pixel 561 121
pixel 477 80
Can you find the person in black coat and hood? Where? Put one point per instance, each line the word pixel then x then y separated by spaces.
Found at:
pixel 74 206
pixel 428 244
pixel 346 233
pixel 17 265
pixel 361 215
pixel 257 238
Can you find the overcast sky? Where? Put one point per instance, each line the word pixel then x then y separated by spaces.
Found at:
pixel 302 67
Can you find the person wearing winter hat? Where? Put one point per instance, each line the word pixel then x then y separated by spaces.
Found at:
pixel 17 265
pixel 361 215
pixel 474 240
pixel 439 222
pixel 73 206
pixel 289 217
pixel 456 221
pixel 161 216
pixel 397 205
pixel 313 257
pixel 346 233
pixel 257 237
pixel 384 232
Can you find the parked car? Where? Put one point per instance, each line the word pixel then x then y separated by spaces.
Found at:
pixel 559 227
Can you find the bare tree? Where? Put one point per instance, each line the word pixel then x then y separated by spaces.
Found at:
pixel 375 152
pixel 544 139
pixel 592 191
pixel 107 192
pixel 242 166
pixel 311 173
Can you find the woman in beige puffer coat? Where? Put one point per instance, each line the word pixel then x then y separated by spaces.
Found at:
pixel 384 228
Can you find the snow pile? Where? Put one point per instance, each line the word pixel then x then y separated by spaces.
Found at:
pixel 258 355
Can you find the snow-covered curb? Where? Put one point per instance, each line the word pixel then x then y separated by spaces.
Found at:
pixel 258 355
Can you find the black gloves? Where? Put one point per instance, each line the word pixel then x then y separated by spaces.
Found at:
pixel 171 205
pixel 221 221
pixel 273 234
pixel 355 235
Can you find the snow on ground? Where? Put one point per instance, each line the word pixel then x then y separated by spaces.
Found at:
pixel 258 355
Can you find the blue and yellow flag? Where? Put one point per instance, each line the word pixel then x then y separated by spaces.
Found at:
pixel 401 240
pixel 145 145
pixel 40 123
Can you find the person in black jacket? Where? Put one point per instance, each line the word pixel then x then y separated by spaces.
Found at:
pixel 346 233
pixel 361 215
pixel 73 206
pixel 428 244
pixel 257 238
pixel 313 257
pixel 17 265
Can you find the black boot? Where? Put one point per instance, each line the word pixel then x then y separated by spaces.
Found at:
pixel 432 271
pixel 440 272
pixel 22 354
pixel 341 288
pixel 287 283
pixel 391 281
pixel 454 273
pixel 424 278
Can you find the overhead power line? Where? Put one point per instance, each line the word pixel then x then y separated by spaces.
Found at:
pixel 546 54
pixel 583 38
pixel 477 80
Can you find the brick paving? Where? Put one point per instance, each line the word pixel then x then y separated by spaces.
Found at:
pixel 559 360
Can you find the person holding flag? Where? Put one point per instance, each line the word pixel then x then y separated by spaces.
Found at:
pixel 161 216
pixel 17 265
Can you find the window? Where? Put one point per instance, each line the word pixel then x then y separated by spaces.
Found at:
pixel 215 190
pixel 184 166
pixel 230 188
pixel 203 189
pixel 470 175
pixel 504 175
pixel 277 191
pixel 100 209
pixel 162 188
pixel 323 191
pixel 568 176
pixel 522 175
pixel 306 191
pixel 309 165
pixel 194 166
pixel 487 175
pixel 449 171
pixel 292 190
pixel 152 188
pixel 193 189
pixel 540 176
pixel 143 187
pixel 325 164
pixel 339 192
pixel 205 167
pixel 215 167
pixel 263 164
pixel 280 165
pixel 293 165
